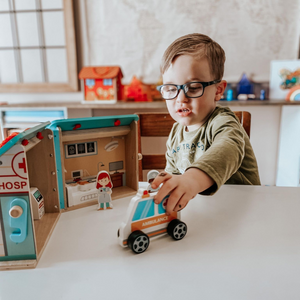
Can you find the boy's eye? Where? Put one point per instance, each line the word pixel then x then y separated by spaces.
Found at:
pixel 169 89
pixel 194 88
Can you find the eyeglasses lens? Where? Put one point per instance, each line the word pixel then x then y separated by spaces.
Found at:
pixel 194 89
pixel 168 91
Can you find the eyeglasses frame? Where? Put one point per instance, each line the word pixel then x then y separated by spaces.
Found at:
pixel 181 87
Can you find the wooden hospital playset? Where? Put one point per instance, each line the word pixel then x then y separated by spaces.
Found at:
pixel 52 168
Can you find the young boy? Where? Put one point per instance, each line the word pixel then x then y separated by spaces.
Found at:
pixel 207 145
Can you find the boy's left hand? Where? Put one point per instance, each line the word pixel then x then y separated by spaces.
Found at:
pixel 181 188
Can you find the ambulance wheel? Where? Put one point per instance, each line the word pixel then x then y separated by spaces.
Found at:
pixel 138 241
pixel 177 229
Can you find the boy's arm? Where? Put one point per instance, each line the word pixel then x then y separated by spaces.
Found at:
pixel 212 169
pixel 182 188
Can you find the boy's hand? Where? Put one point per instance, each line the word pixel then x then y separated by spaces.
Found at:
pixel 181 188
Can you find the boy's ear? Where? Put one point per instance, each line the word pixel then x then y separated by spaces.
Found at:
pixel 220 90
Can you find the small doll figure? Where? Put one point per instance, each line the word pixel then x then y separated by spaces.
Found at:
pixel 150 177
pixel 104 187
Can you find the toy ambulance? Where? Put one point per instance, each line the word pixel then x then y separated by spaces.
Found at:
pixel 145 219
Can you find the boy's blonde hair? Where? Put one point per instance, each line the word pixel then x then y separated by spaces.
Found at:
pixel 197 45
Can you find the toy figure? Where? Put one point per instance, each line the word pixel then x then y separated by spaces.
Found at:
pixel 104 187
pixel 150 177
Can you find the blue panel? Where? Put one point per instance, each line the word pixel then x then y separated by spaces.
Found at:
pixel 35 113
pixel 17 248
pixel 145 209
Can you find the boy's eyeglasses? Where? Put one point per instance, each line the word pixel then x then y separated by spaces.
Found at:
pixel 193 89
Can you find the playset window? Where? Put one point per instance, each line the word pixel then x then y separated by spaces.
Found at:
pixel 37 46
pixel 80 149
pixel 90 82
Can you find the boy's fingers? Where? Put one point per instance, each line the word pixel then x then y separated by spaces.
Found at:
pixel 161 177
pixel 174 199
pixel 182 203
pixel 166 189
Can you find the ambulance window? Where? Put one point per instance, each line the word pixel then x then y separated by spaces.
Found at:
pixel 144 209
pixel 162 205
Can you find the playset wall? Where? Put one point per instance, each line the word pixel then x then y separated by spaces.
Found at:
pixel 42 174
pixel 90 163
pixel 124 134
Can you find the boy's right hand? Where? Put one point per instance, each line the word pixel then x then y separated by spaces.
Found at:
pixel 181 188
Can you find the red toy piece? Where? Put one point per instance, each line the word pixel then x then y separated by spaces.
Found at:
pixel 117 123
pixel 25 142
pixel 76 126
pixel 138 91
pixel 39 136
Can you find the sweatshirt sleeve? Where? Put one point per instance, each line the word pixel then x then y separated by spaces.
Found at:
pixel 226 152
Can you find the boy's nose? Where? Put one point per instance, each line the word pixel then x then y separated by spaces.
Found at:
pixel 181 96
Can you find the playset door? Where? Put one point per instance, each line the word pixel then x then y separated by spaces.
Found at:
pixel 16 234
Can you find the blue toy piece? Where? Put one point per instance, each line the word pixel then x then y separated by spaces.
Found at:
pixel 262 95
pixel 19 222
pixel 229 95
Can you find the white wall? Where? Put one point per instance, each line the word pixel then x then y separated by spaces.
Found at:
pixel 289 148
pixel 135 33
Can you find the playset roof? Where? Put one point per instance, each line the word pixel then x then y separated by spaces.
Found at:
pixel 103 72
pixel 70 124
pixel 27 134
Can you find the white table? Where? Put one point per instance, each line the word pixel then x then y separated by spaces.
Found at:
pixel 243 243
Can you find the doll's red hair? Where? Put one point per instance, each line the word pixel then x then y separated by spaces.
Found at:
pixel 103 175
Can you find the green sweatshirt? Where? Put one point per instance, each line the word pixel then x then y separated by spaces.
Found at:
pixel 220 147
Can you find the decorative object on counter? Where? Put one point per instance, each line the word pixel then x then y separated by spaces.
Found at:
pixel 102 84
pixel 293 94
pixel 284 75
pixel 139 91
pixel 262 95
pixel 289 78
pixel 104 186
pixel 229 95
pixel 244 86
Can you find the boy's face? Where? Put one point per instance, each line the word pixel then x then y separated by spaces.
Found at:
pixel 192 112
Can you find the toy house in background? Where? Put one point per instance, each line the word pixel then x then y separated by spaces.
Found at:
pixel 52 168
pixel 102 84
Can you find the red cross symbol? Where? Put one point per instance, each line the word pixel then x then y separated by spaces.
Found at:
pixel 23 165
